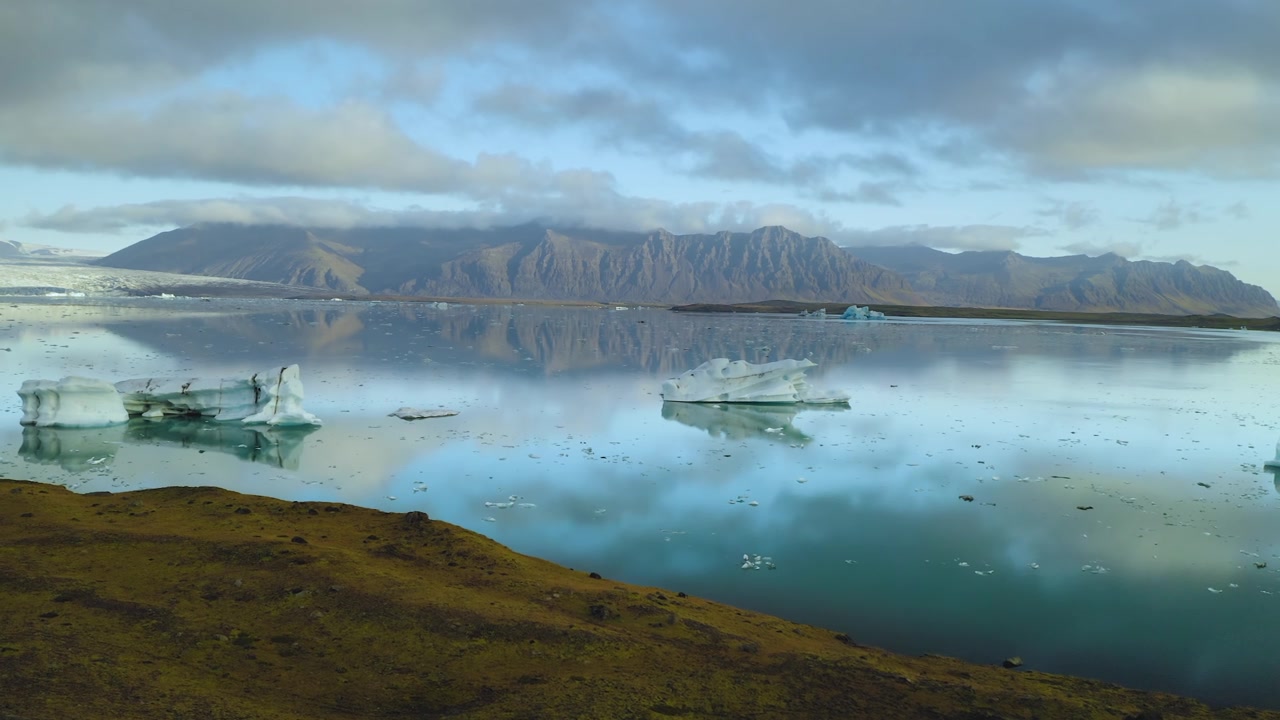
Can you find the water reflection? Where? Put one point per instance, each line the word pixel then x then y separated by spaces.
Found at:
pixel 1273 467
pixel 81 450
pixel 734 421
pixel 554 340
pixel 1158 431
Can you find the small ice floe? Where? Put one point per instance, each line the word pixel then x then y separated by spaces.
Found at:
pixel 757 562
pixel 754 503
pixel 600 511
pixel 499 505
pixel 526 506
pixel 983 572
pixel 1034 566
pixel 1095 569
pixel 491 519
pixel 391 497
pixel 737 381
pixel 1215 591
pixel 962 564
pixel 802 480
pixel 412 413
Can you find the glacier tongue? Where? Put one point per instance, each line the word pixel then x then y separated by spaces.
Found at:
pixel 737 381
pixel 273 397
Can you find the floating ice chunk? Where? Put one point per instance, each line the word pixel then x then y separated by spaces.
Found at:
pixel 758 562
pixel 1275 463
pixel 737 381
pixel 273 397
pixel 412 413
pixel 71 402
pixel 853 312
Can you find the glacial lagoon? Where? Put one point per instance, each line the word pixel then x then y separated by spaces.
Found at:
pixel 1122 525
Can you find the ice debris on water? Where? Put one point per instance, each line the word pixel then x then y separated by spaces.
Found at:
pixel 412 413
pixel 758 562
pixel 738 381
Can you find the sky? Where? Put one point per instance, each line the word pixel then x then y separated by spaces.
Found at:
pixel 1148 129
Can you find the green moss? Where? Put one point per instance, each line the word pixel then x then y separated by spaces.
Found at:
pixel 169 603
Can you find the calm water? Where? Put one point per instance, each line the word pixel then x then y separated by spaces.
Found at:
pixel 859 508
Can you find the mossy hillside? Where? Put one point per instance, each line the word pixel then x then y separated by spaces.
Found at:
pixel 203 603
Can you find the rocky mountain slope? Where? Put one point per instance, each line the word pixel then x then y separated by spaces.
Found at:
pixel 526 262
pixel 533 262
pixel 1107 283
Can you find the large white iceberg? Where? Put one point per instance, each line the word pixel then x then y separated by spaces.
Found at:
pixel 273 397
pixel 71 402
pixel 737 381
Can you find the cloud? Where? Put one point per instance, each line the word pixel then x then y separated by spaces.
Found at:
pixel 1072 215
pixel 1172 215
pixel 621 120
pixel 593 207
pixel 1154 117
pixel 1056 89
pixel 956 237
pixel 1125 249
pixel 1238 210
pixel 876 193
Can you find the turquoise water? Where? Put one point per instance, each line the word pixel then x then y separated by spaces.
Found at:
pixel 1162 433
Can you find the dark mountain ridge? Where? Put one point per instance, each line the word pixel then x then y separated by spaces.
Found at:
pixel 526 262
pixel 535 262
pixel 1106 283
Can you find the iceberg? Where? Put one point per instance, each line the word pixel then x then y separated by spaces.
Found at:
pixel 71 402
pixel 1274 464
pixel 273 397
pixel 738 381
pixel 412 413
pixel 853 312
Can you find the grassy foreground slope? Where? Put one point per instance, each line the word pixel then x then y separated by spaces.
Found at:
pixel 203 603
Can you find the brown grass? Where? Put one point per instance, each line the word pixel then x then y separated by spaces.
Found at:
pixel 204 603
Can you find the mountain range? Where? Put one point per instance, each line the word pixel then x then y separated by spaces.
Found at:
pixel 1106 283
pixel 534 262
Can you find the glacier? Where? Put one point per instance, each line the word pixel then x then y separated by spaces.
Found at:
pixel 272 397
pixel 738 381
